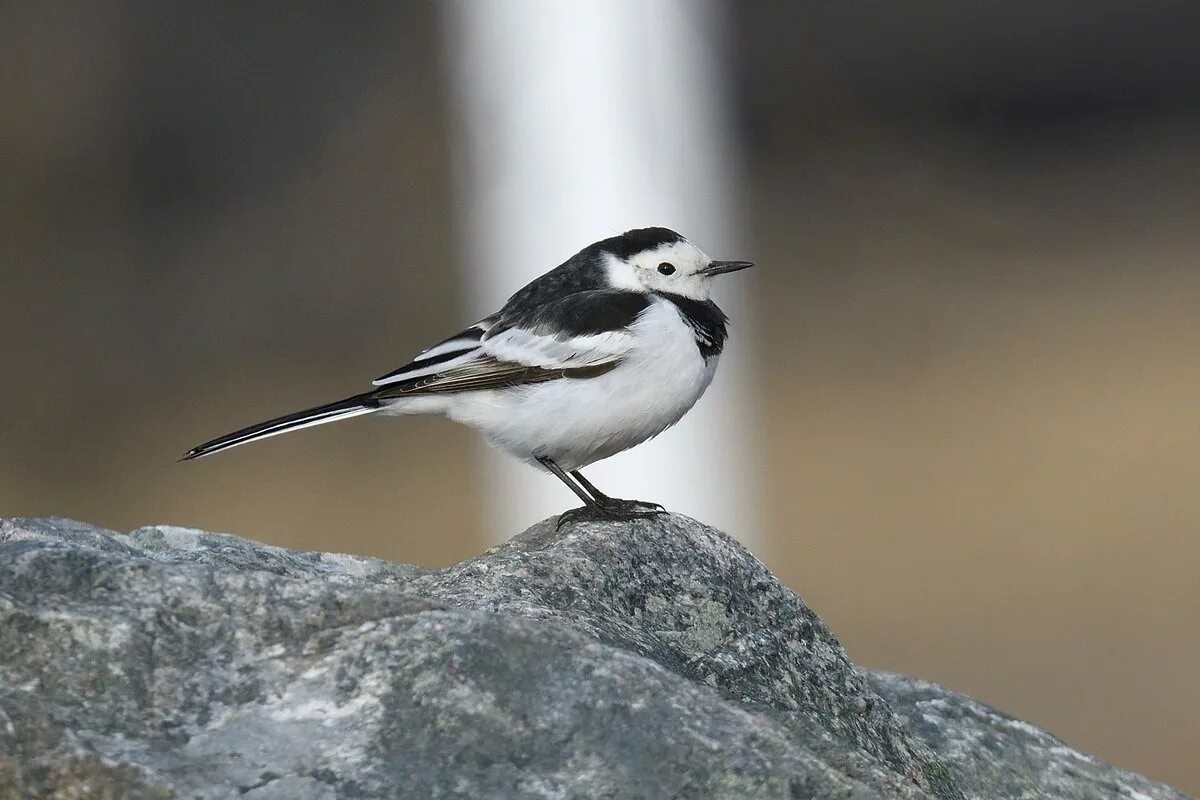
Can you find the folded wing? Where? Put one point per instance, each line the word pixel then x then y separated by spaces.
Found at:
pixel 576 336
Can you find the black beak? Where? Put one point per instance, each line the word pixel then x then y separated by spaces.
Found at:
pixel 721 267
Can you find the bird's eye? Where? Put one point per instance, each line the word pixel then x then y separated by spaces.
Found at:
pixel 666 269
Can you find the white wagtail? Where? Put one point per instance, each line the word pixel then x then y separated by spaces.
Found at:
pixel 601 353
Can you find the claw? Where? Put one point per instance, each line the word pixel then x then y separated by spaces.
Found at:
pixel 577 514
pixel 631 508
pixel 613 509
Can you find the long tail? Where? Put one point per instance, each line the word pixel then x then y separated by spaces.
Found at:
pixel 330 412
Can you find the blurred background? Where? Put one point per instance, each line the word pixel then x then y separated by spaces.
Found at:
pixel 972 403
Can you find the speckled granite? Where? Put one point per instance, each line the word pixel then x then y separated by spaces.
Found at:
pixel 654 658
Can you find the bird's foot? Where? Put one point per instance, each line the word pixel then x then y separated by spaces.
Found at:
pixel 617 507
pixel 581 514
pixel 611 508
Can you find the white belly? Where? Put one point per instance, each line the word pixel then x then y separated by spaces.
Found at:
pixel 575 422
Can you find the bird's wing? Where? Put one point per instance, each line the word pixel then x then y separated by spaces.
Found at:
pixel 459 348
pixel 576 336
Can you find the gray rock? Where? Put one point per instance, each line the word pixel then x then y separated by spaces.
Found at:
pixel 995 755
pixel 648 659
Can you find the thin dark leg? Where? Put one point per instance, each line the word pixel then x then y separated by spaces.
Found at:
pixel 557 471
pixel 615 504
pixel 592 490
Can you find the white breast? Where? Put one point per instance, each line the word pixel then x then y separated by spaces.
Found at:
pixel 575 422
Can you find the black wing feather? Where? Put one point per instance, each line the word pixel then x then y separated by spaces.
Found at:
pixel 584 313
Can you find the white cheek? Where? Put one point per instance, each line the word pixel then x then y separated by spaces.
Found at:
pixel 688 286
pixel 662 283
pixel 620 274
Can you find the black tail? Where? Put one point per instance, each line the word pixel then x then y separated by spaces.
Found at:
pixel 330 412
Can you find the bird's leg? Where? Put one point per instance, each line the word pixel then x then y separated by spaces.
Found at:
pixel 597 503
pixel 615 505
pixel 557 472
pixel 590 507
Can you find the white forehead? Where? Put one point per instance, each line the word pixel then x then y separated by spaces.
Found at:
pixel 684 255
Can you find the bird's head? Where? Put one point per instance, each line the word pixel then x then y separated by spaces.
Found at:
pixel 660 260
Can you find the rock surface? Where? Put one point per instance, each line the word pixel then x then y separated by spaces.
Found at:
pixel 649 659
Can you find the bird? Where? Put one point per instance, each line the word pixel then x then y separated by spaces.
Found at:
pixel 603 352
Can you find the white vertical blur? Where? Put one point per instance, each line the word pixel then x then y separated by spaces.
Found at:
pixel 580 120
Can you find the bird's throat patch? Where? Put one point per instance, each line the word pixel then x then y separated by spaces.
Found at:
pixel 706 319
